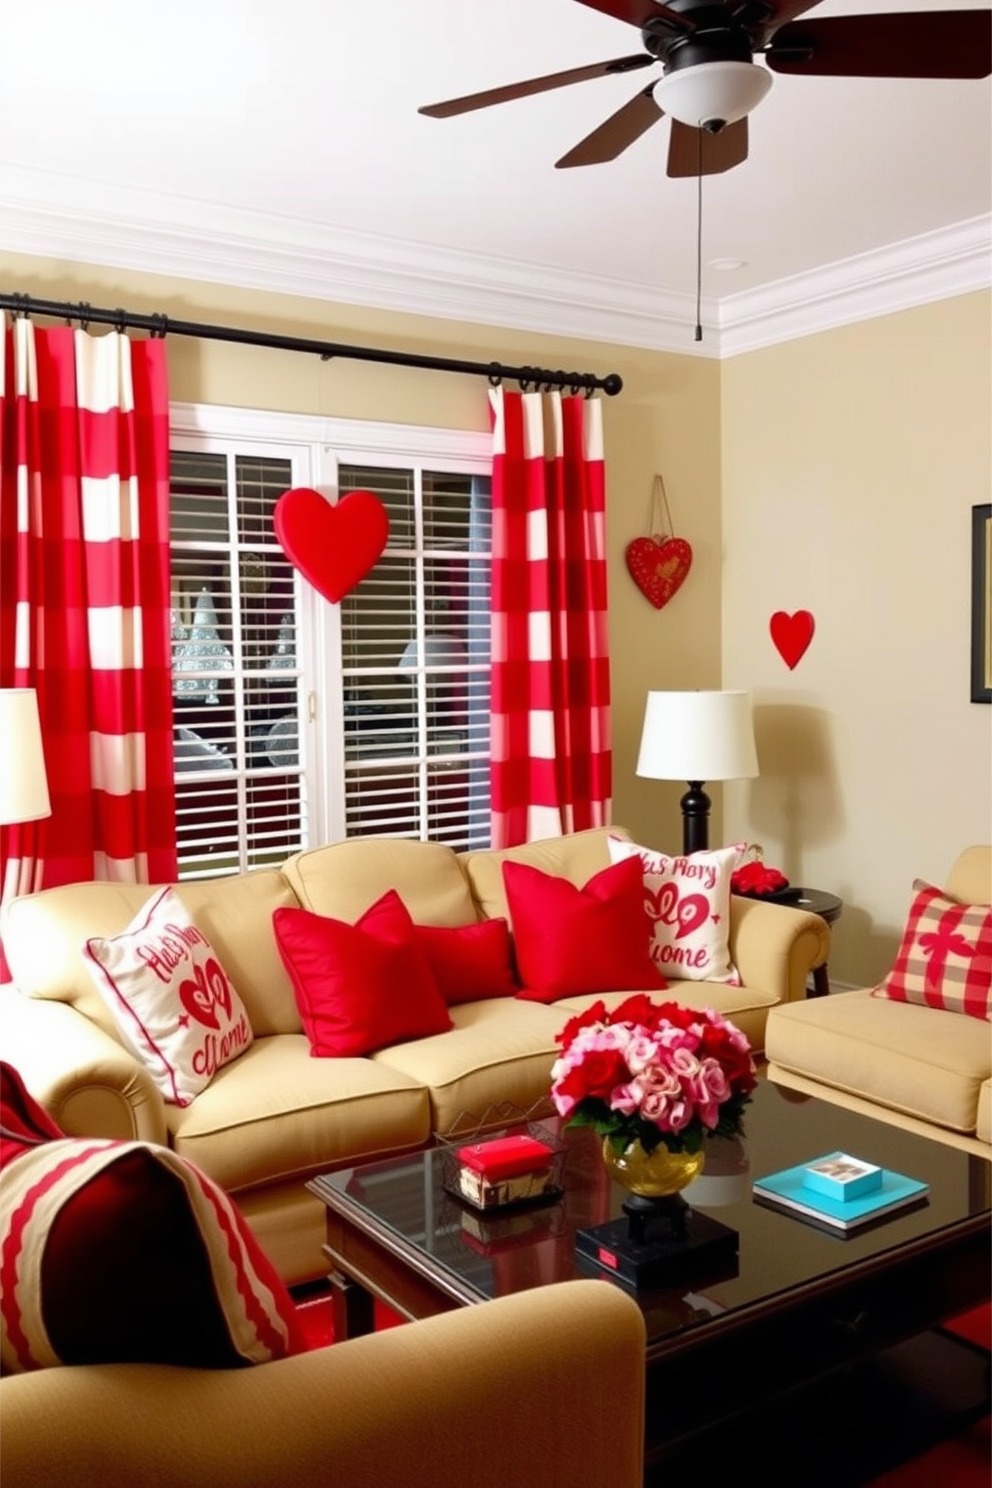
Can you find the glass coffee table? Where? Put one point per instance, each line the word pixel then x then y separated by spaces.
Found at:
pixel 803 1323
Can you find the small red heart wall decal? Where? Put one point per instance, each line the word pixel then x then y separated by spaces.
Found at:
pixel 333 546
pixel 791 635
pixel 659 566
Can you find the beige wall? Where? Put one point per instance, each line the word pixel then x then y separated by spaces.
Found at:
pixel 835 474
pixel 851 462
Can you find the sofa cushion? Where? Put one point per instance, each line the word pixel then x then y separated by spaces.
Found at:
pixel 174 1004
pixel 576 856
pixel 360 986
pixel 945 958
pixel 470 962
pixel 570 940
pixel 983 1126
pixel 122 1252
pixel 44 934
pixel 688 902
pixel 345 878
pixel 279 1114
pixel 500 1051
pixel 920 1061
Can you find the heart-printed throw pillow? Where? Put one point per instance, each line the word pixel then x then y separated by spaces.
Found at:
pixel 791 635
pixel 659 566
pixel 688 905
pixel 333 546
pixel 173 1003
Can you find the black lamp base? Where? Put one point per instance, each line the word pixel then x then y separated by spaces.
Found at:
pixel 695 818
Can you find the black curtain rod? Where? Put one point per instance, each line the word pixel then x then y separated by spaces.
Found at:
pixel 164 325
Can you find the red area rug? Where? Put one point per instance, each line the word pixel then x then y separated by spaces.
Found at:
pixel 964 1461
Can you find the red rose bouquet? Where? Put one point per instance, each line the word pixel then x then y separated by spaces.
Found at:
pixel 653 1073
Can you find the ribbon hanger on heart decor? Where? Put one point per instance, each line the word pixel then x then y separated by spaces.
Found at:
pixel 660 563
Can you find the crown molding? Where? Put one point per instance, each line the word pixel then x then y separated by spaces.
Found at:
pixel 918 271
pixel 51 215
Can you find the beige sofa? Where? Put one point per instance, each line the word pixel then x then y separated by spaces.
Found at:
pixel 541 1390
pixel 276 1116
pixel 921 1068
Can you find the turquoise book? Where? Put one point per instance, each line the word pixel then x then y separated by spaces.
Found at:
pixel 840 1191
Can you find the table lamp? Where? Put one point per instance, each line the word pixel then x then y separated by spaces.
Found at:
pixel 23 783
pixel 695 737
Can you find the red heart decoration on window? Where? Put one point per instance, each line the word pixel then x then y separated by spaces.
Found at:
pixel 333 547
pixel 659 566
pixel 791 635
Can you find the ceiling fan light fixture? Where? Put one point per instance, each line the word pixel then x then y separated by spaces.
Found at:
pixel 712 94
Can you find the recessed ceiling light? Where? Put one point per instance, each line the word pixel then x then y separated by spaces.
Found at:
pixel 727 263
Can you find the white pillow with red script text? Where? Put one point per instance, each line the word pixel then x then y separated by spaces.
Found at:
pixel 171 999
pixel 688 902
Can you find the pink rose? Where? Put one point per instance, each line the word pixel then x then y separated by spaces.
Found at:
pixel 626 1098
pixel 642 1052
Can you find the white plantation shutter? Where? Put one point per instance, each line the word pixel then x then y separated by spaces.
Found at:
pixel 298 721
pixel 415 662
pixel 237 694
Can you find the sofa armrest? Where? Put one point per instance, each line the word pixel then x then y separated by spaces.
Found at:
pixel 776 946
pixel 88 1083
pixel 544 1389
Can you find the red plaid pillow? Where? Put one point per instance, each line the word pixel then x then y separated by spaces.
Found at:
pixel 945 960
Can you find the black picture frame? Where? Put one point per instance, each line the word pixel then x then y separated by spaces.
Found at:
pixel 981 603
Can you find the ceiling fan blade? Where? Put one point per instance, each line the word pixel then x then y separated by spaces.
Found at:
pixel 615 133
pixel 694 152
pixel 915 44
pixel 535 85
pixel 640 12
pixel 776 15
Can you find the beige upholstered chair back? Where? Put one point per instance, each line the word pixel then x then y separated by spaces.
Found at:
pixel 971 877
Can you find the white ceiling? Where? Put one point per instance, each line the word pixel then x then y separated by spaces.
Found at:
pixel 277 144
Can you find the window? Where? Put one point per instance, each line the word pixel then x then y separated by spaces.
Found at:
pixel 298 721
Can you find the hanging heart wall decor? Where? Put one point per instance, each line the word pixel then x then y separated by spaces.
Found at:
pixel 791 635
pixel 659 565
pixel 332 546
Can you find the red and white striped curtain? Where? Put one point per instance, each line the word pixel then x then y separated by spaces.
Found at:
pixel 550 703
pixel 84 600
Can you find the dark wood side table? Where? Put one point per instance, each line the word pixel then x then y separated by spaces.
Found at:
pixel 829 907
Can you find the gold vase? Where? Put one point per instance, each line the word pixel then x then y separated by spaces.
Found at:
pixel 652 1175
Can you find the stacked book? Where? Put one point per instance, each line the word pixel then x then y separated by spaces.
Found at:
pixel 840 1191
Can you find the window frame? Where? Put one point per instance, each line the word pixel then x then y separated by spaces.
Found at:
pixel 316 446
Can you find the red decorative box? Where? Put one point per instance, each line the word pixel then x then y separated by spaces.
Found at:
pixel 502 1168
pixel 506 1157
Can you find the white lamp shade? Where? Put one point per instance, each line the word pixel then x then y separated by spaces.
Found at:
pixel 23 783
pixel 698 736
pixel 712 92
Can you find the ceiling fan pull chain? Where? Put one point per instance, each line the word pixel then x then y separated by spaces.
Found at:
pixel 699 236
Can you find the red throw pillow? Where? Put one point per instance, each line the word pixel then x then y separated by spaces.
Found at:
pixel 470 962
pixel 570 941
pixel 360 987
pixel 123 1252
pixel 23 1122
pixel 945 959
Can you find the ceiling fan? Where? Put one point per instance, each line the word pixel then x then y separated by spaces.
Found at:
pixel 710 83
